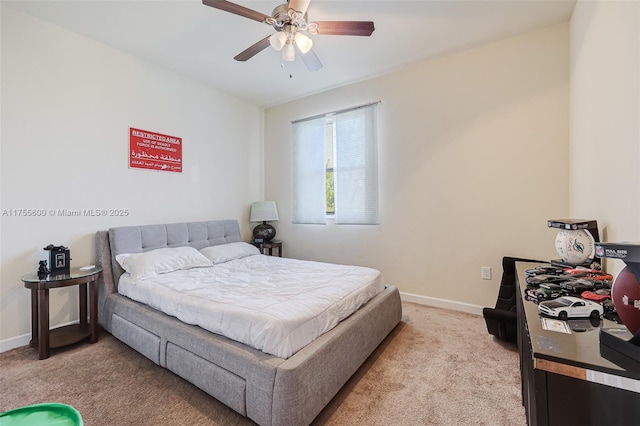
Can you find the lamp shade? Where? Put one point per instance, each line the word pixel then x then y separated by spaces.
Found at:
pixel 263 211
pixel 289 53
pixel 303 42
pixel 278 40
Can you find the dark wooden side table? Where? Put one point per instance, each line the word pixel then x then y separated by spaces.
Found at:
pixel 268 246
pixel 41 336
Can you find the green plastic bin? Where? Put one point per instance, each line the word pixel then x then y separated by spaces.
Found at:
pixel 47 414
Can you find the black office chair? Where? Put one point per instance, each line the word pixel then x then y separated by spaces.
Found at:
pixel 502 320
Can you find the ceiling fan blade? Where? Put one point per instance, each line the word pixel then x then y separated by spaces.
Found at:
pixel 299 5
pixel 355 28
pixel 252 50
pixel 227 6
pixel 310 60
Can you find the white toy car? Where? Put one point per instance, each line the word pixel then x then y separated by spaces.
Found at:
pixel 570 307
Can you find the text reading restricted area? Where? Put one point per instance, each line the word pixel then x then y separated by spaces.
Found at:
pixel 64 212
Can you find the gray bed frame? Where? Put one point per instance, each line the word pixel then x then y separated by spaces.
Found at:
pixel 267 389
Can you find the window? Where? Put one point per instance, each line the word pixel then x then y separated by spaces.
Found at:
pixel 330 185
pixel 335 167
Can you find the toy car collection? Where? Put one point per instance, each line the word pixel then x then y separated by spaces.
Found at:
pixel 569 292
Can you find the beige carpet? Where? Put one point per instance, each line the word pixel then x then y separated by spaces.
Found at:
pixel 438 367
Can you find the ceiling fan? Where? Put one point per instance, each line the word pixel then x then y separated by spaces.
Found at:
pixel 291 22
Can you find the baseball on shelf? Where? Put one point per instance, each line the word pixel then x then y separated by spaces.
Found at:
pixel 575 246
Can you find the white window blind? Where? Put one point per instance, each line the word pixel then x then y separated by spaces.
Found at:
pixel 309 171
pixel 355 169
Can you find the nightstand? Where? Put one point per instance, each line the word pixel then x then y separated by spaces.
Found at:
pixel 41 336
pixel 267 247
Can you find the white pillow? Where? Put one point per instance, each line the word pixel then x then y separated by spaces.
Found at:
pixel 230 251
pixel 161 261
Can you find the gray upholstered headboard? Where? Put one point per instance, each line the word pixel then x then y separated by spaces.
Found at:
pixel 136 239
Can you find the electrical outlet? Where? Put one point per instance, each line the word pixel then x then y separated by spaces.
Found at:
pixel 486 272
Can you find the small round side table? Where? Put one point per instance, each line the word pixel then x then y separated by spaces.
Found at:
pixel 266 247
pixel 41 336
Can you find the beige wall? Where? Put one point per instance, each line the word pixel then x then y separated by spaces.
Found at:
pixel 459 138
pixel 67 104
pixel 605 118
pixel 474 154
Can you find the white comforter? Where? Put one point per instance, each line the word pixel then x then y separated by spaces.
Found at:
pixel 276 305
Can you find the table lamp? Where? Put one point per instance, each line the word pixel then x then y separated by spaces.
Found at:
pixel 263 211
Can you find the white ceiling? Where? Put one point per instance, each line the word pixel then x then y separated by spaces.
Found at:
pixel 200 42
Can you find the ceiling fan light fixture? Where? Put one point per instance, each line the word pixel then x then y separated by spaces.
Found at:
pixel 303 42
pixel 289 53
pixel 289 19
pixel 278 40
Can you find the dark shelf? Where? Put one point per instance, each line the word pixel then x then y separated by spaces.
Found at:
pixel 68 335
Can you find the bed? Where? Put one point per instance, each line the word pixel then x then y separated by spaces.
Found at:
pixel 290 389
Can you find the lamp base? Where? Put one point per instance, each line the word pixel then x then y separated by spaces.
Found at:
pixel 264 232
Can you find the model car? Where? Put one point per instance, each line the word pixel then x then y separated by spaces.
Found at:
pixel 584 284
pixel 601 277
pixel 533 272
pixel 579 272
pixel 577 286
pixel 570 307
pixel 597 296
pixel 548 291
pixel 547 270
pixel 610 311
pixel 546 278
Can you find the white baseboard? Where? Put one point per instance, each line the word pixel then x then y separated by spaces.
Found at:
pixel 23 340
pixel 16 342
pixel 441 303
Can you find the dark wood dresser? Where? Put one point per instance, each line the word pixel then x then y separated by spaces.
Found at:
pixel 567 377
